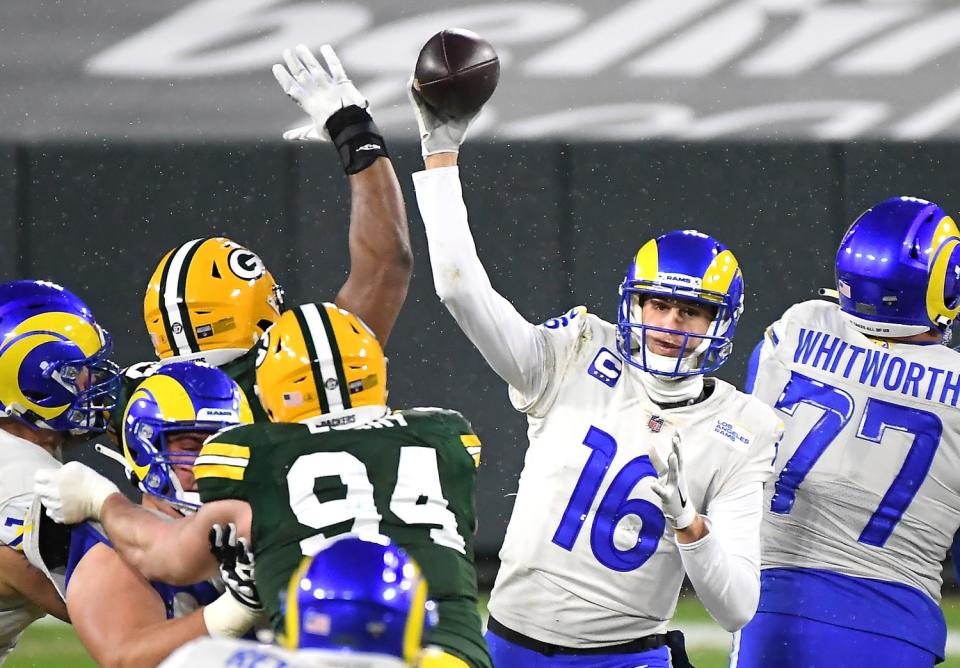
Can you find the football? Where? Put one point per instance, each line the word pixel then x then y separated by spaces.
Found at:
pixel 457 72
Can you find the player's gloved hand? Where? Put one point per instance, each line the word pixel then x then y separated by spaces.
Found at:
pixel 236 564
pixel 672 490
pixel 303 133
pixel 319 94
pixel 338 110
pixel 438 134
pixel 73 492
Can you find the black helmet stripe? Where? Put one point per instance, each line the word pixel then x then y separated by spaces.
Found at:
pixel 312 355
pixel 173 305
pixel 337 358
pixel 331 381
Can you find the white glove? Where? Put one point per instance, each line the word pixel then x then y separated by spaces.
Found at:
pixel 438 134
pixel 319 94
pixel 73 492
pixel 305 133
pixel 672 490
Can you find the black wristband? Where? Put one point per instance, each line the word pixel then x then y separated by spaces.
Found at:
pixel 357 138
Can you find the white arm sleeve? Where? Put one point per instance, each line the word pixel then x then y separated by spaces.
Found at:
pixel 724 565
pixel 513 347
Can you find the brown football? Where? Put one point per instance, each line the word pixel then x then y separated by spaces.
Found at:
pixel 457 72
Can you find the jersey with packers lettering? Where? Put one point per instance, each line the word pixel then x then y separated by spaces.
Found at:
pixel 241 369
pixel 409 475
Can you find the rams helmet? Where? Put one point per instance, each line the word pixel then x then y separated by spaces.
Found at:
pixel 318 360
pixel 210 295
pixel 359 594
pixel 687 265
pixel 55 368
pixel 177 397
pixel 898 269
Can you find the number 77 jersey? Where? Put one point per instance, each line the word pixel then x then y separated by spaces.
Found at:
pixel 408 475
pixel 868 472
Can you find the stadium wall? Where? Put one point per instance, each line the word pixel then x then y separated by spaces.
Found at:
pixel 555 225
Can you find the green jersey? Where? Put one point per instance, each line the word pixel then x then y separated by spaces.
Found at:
pixel 409 475
pixel 242 369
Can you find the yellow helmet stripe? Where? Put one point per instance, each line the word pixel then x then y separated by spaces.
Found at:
pixel 291 638
pixel 173 306
pixel 647 262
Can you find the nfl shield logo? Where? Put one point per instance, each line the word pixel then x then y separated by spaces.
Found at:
pixel 655 423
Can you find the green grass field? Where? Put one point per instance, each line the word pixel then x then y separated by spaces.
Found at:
pixel 54 645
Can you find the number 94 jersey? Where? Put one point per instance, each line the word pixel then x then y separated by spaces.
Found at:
pixel 408 475
pixel 868 473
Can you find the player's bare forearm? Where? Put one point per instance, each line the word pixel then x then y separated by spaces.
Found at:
pixel 438 160
pixel 154 643
pixel 132 631
pixel 20 576
pixel 697 530
pixel 381 261
pixel 172 551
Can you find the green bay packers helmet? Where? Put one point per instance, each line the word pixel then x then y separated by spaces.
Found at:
pixel 210 295
pixel 317 360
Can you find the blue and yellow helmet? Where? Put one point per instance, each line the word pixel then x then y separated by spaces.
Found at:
pixel 176 398
pixel 55 371
pixel 898 269
pixel 359 594
pixel 686 265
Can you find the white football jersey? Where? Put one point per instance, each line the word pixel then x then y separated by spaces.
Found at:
pixel 231 653
pixel 19 460
pixel 587 545
pixel 868 473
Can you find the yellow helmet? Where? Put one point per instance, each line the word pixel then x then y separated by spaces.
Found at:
pixel 209 294
pixel 319 359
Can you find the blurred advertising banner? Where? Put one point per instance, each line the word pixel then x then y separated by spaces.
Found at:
pixel 587 69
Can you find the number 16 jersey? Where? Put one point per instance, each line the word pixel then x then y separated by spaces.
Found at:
pixel 409 475
pixel 588 559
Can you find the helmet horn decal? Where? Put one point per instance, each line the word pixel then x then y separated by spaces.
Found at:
pixel 173 303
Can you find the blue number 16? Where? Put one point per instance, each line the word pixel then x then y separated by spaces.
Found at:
pixel 614 506
pixel 878 416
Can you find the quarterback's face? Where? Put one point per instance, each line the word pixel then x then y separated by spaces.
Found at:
pixel 188 443
pixel 676 314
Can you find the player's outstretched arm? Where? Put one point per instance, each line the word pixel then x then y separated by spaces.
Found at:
pixel 132 631
pixel 381 261
pixel 173 551
pixel 19 576
pixel 512 346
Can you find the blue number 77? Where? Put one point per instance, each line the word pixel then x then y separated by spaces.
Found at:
pixel 878 416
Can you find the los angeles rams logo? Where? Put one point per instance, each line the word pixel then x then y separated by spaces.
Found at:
pixel 245 264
